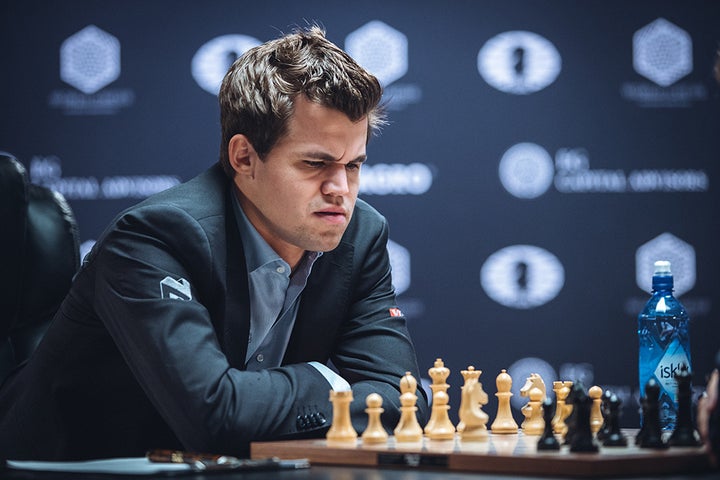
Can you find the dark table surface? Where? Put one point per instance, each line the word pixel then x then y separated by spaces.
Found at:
pixel 328 473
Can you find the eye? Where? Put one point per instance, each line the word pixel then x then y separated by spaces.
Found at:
pixel 353 166
pixel 314 164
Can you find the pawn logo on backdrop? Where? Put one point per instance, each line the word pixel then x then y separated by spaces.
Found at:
pixel 522 276
pixel 519 55
pixel 400 265
pixel 214 58
pixel 519 62
pixel 522 272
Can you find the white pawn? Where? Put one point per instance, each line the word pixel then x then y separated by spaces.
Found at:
pixel 596 418
pixel 504 421
pixel 559 403
pixel 443 429
pixel 439 427
pixel 534 423
pixel 533 381
pixel 408 428
pixel 374 433
pixel 341 429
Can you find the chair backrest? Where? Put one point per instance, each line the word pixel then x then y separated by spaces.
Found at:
pixel 39 255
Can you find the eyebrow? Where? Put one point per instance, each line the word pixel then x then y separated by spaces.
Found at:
pixel 326 157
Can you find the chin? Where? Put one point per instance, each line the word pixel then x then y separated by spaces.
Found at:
pixel 329 245
pixel 329 248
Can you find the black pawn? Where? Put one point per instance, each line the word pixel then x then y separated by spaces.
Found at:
pixel 570 421
pixel 714 427
pixel 650 435
pixel 605 410
pixel 684 434
pixel 613 436
pixel 639 438
pixel 547 440
pixel 641 433
pixel 582 438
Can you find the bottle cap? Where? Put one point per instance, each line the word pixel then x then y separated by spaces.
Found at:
pixel 662 267
pixel 662 278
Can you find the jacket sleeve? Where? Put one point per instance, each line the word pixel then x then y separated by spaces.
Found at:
pixel 169 342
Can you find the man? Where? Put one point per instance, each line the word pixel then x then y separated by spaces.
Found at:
pixel 204 317
pixel 708 420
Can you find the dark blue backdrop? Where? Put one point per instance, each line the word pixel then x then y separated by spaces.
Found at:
pixel 540 156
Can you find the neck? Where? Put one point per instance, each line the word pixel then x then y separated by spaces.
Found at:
pixel 290 253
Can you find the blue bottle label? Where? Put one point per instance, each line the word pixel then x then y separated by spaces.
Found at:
pixel 675 356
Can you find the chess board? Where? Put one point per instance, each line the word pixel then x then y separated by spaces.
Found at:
pixel 503 454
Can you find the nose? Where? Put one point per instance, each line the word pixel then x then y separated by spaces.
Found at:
pixel 336 183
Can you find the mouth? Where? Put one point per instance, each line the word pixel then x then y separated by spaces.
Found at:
pixel 332 215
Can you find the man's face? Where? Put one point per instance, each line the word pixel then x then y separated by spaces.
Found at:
pixel 302 195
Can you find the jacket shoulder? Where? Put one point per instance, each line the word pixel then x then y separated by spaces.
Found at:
pixel 201 196
pixel 366 221
pixel 186 214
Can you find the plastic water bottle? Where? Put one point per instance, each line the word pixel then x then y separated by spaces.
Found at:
pixel 664 334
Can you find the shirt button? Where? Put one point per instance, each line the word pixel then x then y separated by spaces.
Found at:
pixel 280 269
pixel 260 357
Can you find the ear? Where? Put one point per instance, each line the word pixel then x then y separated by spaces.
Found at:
pixel 242 155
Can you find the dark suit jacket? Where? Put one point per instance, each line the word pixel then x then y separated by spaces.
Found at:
pixel 122 369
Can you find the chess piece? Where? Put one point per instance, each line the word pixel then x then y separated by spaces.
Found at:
pixel 533 381
pixel 596 418
pixel 534 423
pixel 439 427
pixel 650 435
pixel 713 387
pixel 557 385
pixel 504 421
pixel 571 408
pixel 374 433
pixel 341 429
pixel 605 411
pixel 562 409
pixel 684 434
pixel 408 428
pixel 641 432
pixel 438 383
pixel 442 428
pixel 547 440
pixel 472 417
pixel 579 433
pixel 613 436
pixel 466 374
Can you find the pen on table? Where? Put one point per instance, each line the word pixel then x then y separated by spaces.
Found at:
pixel 202 461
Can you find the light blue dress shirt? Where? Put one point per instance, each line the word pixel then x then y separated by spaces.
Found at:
pixel 274 300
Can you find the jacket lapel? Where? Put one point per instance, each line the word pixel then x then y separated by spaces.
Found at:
pixel 323 307
pixel 237 303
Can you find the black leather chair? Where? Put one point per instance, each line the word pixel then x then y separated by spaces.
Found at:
pixel 39 254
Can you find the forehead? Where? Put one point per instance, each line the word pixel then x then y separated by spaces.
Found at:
pixel 312 122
